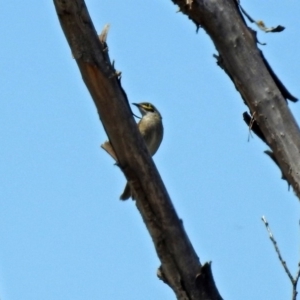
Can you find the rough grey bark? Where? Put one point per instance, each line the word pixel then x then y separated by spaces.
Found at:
pixel 180 265
pixel 261 90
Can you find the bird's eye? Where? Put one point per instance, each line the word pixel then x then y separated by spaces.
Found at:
pixel 149 107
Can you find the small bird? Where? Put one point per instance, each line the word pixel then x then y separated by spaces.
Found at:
pixel 151 129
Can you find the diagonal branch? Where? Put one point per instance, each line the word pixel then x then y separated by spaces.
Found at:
pixel 260 88
pixel 294 281
pixel 180 266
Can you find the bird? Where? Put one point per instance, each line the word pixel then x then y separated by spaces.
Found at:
pixel 151 128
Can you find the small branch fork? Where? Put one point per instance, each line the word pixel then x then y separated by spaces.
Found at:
pixel 294 281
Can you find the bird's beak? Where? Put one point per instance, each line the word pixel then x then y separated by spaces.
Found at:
pixel 138 106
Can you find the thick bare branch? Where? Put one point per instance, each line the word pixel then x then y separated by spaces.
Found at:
pixel 180 266
pixel 258 85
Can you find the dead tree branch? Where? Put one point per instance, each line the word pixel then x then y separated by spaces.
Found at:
pixel 260 88
pixel 294 281
pixel 180 266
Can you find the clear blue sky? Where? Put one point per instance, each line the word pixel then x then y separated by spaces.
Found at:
pixel 63 232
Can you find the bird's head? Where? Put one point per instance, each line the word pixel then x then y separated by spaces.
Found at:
pixel 146 107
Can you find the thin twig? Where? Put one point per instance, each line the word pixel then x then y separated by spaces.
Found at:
pixel 294 281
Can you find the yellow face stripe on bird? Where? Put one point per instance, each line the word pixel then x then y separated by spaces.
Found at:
pixel 147 107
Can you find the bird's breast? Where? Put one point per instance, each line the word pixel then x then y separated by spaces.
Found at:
pixel 151 129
